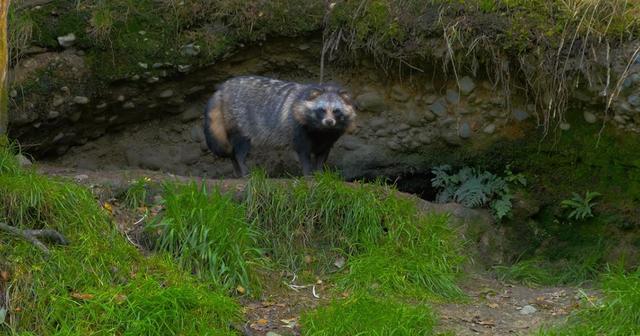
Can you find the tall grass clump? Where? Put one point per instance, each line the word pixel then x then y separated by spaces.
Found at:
pixel 367 315
pixel 617 315
pixel 208 234
pixel 324 213
pixel 99 283
pixel 384 238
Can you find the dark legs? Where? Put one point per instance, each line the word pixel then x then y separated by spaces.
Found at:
pixel 321 159
pixel 241 146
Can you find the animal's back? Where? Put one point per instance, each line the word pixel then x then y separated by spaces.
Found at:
pixel 260 108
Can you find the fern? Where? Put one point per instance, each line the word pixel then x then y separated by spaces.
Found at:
pixel 581 207
pixel 474 189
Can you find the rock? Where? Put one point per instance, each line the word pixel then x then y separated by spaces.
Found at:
pixel 634 100
pixel 53 114
pixel 350 142
pixel 128 105
pixel 184 68
pixel 120 98
pixel 157 65
pixel 271 333
pixel 589 117
pixel 429 116
pixel 81 100
pixel 402 127
pixel 23 161
pixel 153 79
pixel 195 89
pixel 453 96
pixel 67 41
pixel 135 77
pixel 57 101
pixel 520 114
pixel 166 94
pixel 565 126
pixel 619 119
pixel 528 310
pixel 439 108
pixel 192 113
pixel 303 47
pixel 377 123
pixel 466 85
pixel 142 32
pixel 190 50
pixel 143 65
pixel 399 93
pixel 101 105
pixel 393 145
pixel 58 137
pixel 81 177
pixel 429 99
pixel 462 110
pixel 447 122
pixel 465 130
pixel 371 101
pixel 489 129
pixel 13 93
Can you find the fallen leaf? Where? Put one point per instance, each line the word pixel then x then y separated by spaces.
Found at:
pixel 82 296
pixel 345 294
pixel 4 275
pixel 120 298
pixel 493 305
pixel 240 290
pixel 262 322
pixel 308 259
pixel 107 206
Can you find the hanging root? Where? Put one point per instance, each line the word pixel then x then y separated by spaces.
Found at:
pixel 34 236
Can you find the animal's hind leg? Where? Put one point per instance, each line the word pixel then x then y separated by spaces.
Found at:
pixel 241 147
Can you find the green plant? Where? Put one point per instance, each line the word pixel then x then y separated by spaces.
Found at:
pixel 362 314
pixel 136 195
pixel 208 234
pixel 382 235
pixel 99 284
pixel 474 188
pixel 618 314
pixel 581 207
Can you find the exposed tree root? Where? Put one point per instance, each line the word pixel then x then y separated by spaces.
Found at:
pixel 34 236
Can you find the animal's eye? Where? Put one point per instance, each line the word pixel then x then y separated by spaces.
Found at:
pixel 318 112
pixel 337 112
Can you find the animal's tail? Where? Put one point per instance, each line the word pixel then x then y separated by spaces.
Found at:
pixel 215 130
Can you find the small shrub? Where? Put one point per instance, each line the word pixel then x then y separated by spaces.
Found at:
pixel 207 233
pixel 581 207
pixel 362 314
pixel 473 188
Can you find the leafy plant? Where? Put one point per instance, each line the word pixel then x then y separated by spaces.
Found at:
pixel 581 207
pixel 474 188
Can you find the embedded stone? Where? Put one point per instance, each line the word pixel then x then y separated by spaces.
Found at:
pixel 589 117
pixel 453 96
pixel 466 85
pixel 81 100
pixel 166 94
pixel 67 41
pixel 520 114
pixel 439 108
pixel 565 126
pixel 465 130
pixel 371 101
pixel 489 129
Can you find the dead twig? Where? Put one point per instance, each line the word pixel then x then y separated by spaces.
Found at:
pixel 34 236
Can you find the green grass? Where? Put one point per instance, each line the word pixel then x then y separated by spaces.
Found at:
pixel 362 314
pixel 617 315
pixel 128 293
pixel 387 243
pixel 424 264
pixel 208 234
pixel 136 194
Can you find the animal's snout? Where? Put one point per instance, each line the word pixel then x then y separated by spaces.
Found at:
pixel 329 122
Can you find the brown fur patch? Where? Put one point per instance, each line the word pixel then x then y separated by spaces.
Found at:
pixel 299 113
pixel 217 127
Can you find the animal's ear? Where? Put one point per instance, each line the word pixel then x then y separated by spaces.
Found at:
pixel 314 93
pixel 344 94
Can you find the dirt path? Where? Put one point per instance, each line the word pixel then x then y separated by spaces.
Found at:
pixel 492 307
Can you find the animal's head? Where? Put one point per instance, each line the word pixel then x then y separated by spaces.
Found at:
pixel 325 107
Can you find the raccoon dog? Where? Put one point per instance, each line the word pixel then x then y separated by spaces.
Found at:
pixel 260 111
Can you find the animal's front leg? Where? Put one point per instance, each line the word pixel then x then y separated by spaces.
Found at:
pixel 302 146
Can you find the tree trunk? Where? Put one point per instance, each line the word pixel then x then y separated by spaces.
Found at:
pixel 4 67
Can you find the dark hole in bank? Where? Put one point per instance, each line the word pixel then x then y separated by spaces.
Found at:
pixel 418 183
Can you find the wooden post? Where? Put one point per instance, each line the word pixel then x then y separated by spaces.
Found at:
pixel 4 67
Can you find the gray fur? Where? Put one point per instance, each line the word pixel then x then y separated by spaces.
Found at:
pixel 270 112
